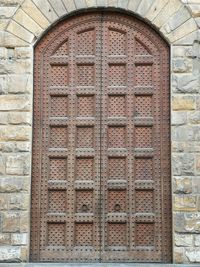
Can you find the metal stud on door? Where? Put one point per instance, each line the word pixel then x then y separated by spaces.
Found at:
pixel 101 177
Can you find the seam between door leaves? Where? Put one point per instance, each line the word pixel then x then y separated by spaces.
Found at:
pixel 101 89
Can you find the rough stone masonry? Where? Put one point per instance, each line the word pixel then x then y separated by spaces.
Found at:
pixel 22 22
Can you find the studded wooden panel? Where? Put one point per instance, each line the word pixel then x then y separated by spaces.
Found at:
pixel 135 137
pixel 100 190
pixel 65 207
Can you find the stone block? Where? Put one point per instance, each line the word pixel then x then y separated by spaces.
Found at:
pixel 4 239
pixel 197 240
pixel 3 201
pixel 197 163
pixel 23 53
pixel 186 147
pixel 101 3
pixel 183 240
pixel 70 5
pixel 10 40
pixel 185 203
pixel 47 10
pixel 177 19
pixel 187 222
pixel 3 24
pixel 3 85
pixel 30 9
pixel 22 147
pixel 20 32
pixel 182 164
pixel 19 84
pixel 192 222
pixel 3 118
pixel 19 239
pixel 155 9
pixel 24 222
pixel 3 53
pixel 196 47
pixel 11 222
pixel 123 3
pixel 15 133
pixel 18 201
pixel 182 52
pixel 24 253
pixel 196 185
pixel 198 21
pixel 193 254
pixel 10 254
pixel 19 66
pixel 18 164
pixel 194 117
pixel 197 102
pixel 7 11
pixel 179 222
pixel 188 38
pixel 7 147
pixel 2 164
pixel 113 3
pixel 14 184
pixel 58 7
pixel 183 102
pixel 190 1
pixel 196 67
pixel 92 3
pixel 188 27
pixel 182 185
pixel 133 5
pixel 195 8
pixel 11 2
pixel 14 102
pixel 15 147
pixel 181 65
pixel 144 7
pixel 27 22
pixel 179 255
pixel 19 118
pixel 185 83
pixel 80 4
pixel 172 7
pixel 178 118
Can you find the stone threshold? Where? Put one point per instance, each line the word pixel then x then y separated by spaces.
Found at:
pixel 96 265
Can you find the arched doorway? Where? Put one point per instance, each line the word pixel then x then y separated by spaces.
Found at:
pixel 101 154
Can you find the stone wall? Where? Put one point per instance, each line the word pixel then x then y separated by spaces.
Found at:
pixel 22 22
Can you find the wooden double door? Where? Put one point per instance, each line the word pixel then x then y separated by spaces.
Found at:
pixel 101 154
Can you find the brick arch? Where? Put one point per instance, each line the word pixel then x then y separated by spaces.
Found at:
pixel 172 19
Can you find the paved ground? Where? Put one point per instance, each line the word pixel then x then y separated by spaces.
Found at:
pixel 95 265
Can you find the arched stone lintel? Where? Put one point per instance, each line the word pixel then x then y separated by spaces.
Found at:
pixel 172 19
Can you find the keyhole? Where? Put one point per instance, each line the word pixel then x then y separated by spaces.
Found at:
pixel 84 208
pixel 136 114
pixel 117 208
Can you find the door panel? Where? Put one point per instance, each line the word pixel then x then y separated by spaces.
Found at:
pixel 70 148
pixel 132 138
pixel 101 170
